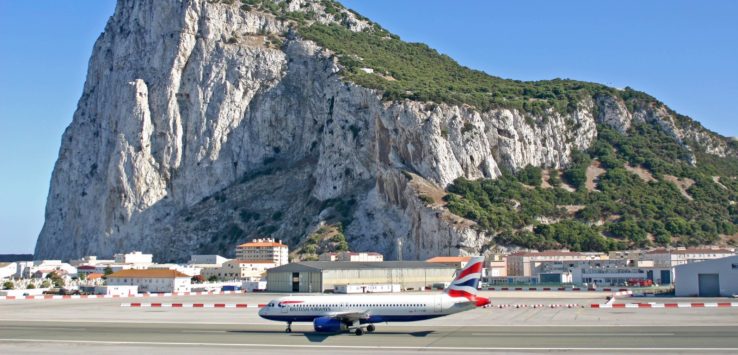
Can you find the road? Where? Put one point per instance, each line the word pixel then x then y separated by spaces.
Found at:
pixel 702 338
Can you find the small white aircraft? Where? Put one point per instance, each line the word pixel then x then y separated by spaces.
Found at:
pixel 358 314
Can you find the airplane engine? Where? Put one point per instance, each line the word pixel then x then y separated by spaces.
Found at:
pixel 328 325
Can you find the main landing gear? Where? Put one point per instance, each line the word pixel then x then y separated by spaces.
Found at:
pixel 289 328
pixel 369 328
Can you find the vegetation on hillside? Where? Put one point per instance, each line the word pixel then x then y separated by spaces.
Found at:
pixel 328 238
pixel 418 72
pixel 625 211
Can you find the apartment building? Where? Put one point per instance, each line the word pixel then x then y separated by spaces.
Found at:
pixel 265 249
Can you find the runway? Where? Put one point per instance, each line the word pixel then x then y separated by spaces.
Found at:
pixel 699 339
pixel 103 326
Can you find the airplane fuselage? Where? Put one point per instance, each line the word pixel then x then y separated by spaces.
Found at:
pixel 378 308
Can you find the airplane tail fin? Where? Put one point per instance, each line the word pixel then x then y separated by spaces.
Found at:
pixel 466 282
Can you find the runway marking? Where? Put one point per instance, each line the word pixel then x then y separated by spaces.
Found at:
pixel 203 331
pixel 598 349
pixel 3 327
pixel 578 335
pixel 397 324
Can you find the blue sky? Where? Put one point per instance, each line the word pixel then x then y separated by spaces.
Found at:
pixel 684 53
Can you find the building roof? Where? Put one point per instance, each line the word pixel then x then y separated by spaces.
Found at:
pixel 547 253
pixel 261 244
pixel 690 251
pixel 449 259
pixel 86 267
pixel 148 273
pixel 251 261
pixel 353 265
pixel 94 276
pixel 708 264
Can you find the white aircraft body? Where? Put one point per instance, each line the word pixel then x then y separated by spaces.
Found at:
pixel 358 313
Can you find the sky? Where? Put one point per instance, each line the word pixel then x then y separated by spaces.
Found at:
pixel 684 53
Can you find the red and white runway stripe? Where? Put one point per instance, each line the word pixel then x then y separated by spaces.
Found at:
pixel 623 293
pixel 194 305
pixel 619 305
pixel 668 305
pixel 140 295
pixel 565 289
pixel 534 306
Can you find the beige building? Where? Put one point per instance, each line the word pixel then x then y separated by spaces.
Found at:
pixel 666 258
pixel 351 256
pixel 526 263
pixel 497 265
pixel 239 270
pixel 319 276
pixel 90 260
pixel 134 258
pixel 151 280
pixel 266 249
pixel 453 261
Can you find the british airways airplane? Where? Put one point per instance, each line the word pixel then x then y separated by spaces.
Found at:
pixel 359 313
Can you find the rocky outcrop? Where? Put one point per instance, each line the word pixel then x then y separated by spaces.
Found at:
pixel 203 124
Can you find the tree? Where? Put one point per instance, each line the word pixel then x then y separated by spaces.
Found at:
pixel 30 287
pixel 530 175
pixel 198 279
pixel 8 285
pixel 107 271
pixel 309 249
pixel 58 282
pixel 46 284
pixel 554 179
pixel 213 278
pixel 342 246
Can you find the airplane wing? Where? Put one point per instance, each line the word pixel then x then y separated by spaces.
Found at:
pixel 349 316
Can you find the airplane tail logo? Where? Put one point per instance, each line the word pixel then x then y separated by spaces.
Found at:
pixel 466 282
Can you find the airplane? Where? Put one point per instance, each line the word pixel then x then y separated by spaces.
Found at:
pixel 359 313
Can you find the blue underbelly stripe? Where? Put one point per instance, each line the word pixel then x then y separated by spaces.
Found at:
pixel 372 319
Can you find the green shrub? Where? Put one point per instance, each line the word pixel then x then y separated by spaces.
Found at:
pixel 530 175
pixel 426 199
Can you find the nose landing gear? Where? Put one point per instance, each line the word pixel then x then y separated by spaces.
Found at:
pixel 289 328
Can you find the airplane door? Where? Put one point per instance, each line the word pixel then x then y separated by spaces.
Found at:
pixel 437 304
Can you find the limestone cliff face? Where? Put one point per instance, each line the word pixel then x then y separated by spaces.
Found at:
pixel 202 125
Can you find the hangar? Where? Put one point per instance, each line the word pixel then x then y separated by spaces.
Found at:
pixel 321 276
pixel 710 278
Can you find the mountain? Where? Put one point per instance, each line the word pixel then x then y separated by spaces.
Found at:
pixel 203 124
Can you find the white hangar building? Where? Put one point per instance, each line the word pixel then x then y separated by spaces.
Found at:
pixel 710 278
pixel 321 276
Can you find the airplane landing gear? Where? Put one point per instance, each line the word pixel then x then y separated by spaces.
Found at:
pixel 289 328
pixel 370 328
pixel 359 331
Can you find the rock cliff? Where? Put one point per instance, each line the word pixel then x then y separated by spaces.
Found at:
pixel 203 124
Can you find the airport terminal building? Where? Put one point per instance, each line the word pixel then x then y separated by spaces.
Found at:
pixel 321 276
